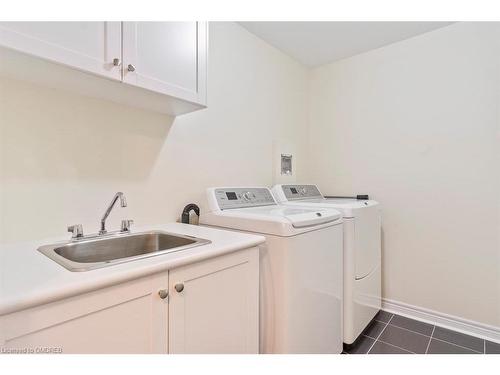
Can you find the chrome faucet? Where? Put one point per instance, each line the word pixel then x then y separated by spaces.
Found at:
pixel 76 230
pixel 123 203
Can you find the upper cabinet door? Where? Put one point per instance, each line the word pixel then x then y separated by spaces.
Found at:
pixel 89 46
pixel 167 57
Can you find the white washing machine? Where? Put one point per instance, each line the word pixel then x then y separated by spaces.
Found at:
pixel 362 251
pixel 300 267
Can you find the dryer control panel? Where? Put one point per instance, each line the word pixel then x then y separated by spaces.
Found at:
pixel 243 197
pixel 293 192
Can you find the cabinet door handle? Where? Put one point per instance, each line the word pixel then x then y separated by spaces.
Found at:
pixel 131 68
pixel 163 293
pixel 116 61
pixel 179 287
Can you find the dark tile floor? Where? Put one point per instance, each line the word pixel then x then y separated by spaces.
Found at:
pixel 394 334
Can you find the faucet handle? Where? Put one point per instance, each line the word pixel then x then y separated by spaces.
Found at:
pixel 76 230
pixel 126 225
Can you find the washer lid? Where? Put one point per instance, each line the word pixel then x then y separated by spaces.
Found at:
pixel 348 207
pixel 301 217
pixel 298 217
pixel 276 219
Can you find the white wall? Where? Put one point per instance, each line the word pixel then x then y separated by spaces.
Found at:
pixel 416 125
pixel 63 156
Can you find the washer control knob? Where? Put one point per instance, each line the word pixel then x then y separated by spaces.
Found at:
pixel 248 196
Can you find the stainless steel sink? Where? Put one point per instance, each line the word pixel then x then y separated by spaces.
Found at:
pixel 101 251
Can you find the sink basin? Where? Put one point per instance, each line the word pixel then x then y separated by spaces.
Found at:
pixel 97 252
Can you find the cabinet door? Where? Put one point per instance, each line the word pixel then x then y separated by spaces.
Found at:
pixel 88 46
pixel 167 57
pixel 214 305
pixel 126 318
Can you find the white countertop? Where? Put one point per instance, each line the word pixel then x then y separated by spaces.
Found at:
pixel 29 278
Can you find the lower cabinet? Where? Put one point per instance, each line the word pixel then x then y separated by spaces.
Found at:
pixel 207 307
pixel 213 306
pixel 125 318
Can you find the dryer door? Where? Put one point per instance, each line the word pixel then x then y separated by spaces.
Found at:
pixel 367 240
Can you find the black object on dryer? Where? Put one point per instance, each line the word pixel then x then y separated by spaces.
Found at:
pixel 359 196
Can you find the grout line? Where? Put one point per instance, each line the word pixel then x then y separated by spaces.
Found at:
pixel 430 339
pixel 409 330
pixel 449 342
pixel 460 346
pixel 380 334
pixel 387 343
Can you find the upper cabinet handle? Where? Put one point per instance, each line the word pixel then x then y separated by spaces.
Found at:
pixel 116 61
pixel 131 68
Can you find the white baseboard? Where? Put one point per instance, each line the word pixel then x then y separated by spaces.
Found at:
pixel 455 323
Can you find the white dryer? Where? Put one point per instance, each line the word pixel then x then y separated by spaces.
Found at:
pixel 300 272
pixel 362 251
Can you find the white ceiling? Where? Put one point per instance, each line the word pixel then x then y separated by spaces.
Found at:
pixel 318 43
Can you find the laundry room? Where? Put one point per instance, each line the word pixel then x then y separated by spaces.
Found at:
pixel 207 184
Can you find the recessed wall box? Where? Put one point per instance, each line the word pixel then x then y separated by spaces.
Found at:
pixel 286 164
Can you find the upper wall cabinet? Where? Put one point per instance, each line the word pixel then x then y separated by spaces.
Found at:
pixel 153 65
pixel 89 46
pixel 167 57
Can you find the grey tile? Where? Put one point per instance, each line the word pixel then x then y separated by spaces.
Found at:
pixel 412 325
pixel 374 329
pixel 361 346
pixel 460 339
pixel 492 347
pixel 383 348
pixel 442 347
pixel 411 341
pixel 383 316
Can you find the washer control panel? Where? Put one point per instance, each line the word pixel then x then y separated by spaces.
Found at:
pixel 293 192
pixel 243 197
